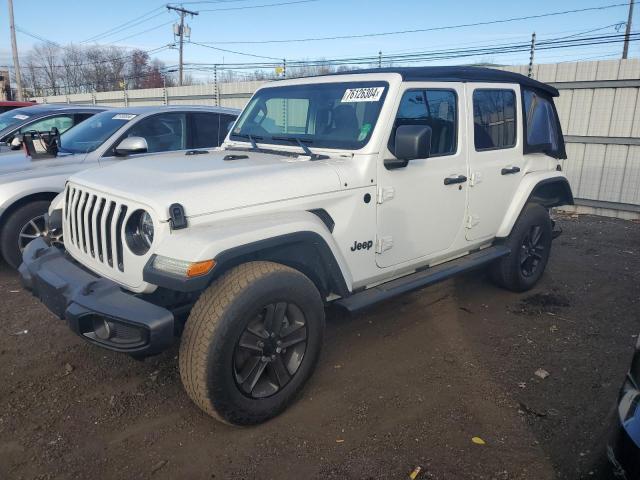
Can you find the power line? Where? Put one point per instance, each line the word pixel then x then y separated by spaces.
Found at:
pixel 143 32
pixel 233 51
pixel 445 54
pixel 123 57
pixel 125 26
pixel 421 30
pixel 248 7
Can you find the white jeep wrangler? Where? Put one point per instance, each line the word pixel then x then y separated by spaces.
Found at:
pixel 348 189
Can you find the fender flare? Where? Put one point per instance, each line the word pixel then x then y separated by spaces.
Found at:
pixel 302 243
pixel 550 191
pixel 296 250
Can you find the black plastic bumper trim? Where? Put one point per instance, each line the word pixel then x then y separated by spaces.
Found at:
pixel 72 293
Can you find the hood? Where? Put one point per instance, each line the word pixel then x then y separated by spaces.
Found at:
pixel 207 183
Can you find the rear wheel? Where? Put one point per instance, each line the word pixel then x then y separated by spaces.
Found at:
pixel 530 244
pixel 24 225
pixel 251 342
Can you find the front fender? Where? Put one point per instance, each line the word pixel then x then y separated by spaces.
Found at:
pixel 229 241
pixel 528 186
pixel 10 193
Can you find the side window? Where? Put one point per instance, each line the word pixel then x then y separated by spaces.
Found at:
pixel 81 117
pixel 494 118
pixel 163 132
pixel 434 108
pixel 206 127
pixel 62 123
pixel 540 122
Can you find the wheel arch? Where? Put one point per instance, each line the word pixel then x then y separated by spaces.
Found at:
pixel 16 203
pixel 547 191
pixel 304 251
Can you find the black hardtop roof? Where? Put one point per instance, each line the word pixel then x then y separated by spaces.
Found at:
pixel 459 74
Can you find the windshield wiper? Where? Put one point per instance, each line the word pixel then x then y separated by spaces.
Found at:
pixel 300 142
pixel 251 138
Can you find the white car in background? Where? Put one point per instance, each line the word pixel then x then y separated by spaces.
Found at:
pixel 28 185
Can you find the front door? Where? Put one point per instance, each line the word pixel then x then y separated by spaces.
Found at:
pixel 420 214
pixel 495 156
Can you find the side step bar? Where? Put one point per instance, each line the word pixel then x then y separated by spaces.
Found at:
pixel 429 276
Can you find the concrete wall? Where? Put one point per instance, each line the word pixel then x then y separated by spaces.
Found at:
pixel 599 107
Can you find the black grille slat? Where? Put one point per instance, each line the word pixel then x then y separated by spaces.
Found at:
pixel 76 217
pixel 99 229
pixel 82 226
pixel 112 207
pixel 93 200
pixel 119 233
pixel 69 207
pixel 66 202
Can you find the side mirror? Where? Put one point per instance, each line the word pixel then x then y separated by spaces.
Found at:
pixel 412 142
pixel 131 146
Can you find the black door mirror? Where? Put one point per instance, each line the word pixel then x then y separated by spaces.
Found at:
pixel 412 142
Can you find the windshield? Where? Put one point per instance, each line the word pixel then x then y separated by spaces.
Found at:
pixel 93 132
pixel 11 117
pixel 332 115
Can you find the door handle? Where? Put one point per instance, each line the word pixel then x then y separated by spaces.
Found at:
pixel 510 170
pixel 455 179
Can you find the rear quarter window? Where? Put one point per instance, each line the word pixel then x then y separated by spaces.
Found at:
pixel 542 131
pixel 494 119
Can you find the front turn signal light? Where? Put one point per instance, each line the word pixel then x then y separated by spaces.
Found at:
pixel 182 268
pixel 200 268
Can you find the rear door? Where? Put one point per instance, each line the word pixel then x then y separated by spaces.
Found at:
pixel 205 130
pixel 495 155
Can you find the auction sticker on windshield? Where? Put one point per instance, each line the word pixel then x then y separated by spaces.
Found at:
pixel 124 116
pixel 21 117
pixel 371 94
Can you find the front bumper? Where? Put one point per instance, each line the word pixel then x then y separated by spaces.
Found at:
pixel 95 308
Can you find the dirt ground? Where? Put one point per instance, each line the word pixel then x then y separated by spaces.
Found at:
pixel 406 384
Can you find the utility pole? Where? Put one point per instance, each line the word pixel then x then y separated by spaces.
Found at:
pixel 627 33
pixel 14 49
pixel 182 12
pixel 380 59
pixel 532 53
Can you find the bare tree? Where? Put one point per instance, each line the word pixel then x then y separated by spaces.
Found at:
pixel 47 56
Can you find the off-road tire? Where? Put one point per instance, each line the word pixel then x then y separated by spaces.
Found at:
pixel 213 329
pixel 508 272
pixel 11 229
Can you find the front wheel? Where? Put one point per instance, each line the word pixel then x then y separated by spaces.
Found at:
pixel 530 244
pixel 23 225
pixel 251 342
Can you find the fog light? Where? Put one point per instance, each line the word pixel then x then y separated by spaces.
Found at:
pixel 101 328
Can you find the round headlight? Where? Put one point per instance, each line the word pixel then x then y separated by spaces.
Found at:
pixel 146 228
pixel 139 232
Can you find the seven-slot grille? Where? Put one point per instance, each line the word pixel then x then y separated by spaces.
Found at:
pixel 94 226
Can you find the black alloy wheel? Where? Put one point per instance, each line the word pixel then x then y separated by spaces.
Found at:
pixel 270 350
pixel 532 250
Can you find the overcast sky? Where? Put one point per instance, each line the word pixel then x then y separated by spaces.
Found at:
pixel 77 21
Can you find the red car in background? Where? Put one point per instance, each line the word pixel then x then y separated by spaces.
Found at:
pixel 6 105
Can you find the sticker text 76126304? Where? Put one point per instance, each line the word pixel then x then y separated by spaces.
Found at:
pixel 370 94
